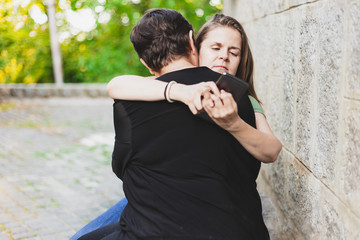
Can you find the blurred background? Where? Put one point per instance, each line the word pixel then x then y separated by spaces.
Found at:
pixel 93 37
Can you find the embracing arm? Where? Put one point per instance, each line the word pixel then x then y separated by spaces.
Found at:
pixel 132 87
pixel 260 142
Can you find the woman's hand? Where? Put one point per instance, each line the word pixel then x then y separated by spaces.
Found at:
pixel 260 142
pixel 222 110
pixel 192 95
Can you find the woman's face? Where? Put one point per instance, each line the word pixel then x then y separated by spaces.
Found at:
pixel 220 50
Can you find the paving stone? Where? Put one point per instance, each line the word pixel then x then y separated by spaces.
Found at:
pixel 41 160
pixel 55 166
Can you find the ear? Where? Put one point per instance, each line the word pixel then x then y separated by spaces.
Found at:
pixel 150 69
pixel 192 42
pixel 193 51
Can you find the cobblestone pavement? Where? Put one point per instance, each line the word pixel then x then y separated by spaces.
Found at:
pixel 55 171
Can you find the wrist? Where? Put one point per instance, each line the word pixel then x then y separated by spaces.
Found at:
pixel 167 91
pixel 175 92
pixel 236 126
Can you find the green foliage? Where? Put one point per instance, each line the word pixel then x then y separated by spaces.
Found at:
pixel 88 56
pixel 24 45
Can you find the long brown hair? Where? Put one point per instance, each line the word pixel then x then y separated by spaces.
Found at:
pixel 245 69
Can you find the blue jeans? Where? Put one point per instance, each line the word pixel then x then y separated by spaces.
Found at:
pixel 110 216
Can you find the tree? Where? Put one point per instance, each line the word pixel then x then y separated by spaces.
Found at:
pixel 24 44
pixel 94 50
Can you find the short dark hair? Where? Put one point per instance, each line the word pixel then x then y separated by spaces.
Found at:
pixel 161 36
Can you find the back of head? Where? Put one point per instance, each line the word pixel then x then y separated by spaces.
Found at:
pixel 246 66
pixel 161 36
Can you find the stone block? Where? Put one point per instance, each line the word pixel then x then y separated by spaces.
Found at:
pixel 294 3
pixel 271 68
pixel 92 92
pixel 260 40
pixel 275 174
pixel 303 206
pixel 332 224
pixel 4 91
pixel 296 194
pixel 239 9
pixel 75 90
pixel 66 92
pixel 338 220
pixel 288 68
pixel 29 91
pixel 43 91
pixel 353 50
pixel 259 9
pixel 17 92
pixel 350 161
pixel 306 84
pixel 331 19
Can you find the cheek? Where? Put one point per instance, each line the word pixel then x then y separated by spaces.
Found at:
pixel 202 61
pixel 205 58
pixel 234 66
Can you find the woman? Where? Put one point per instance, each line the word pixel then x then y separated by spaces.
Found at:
pixel 221 48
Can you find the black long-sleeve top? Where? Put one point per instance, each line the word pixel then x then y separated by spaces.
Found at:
pixel 184 177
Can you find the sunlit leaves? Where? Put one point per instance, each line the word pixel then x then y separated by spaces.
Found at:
pixel 94 49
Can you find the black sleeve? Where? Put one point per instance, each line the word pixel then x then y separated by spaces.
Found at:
pixel 122 146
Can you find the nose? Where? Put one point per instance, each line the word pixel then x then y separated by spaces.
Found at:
pixel 223 55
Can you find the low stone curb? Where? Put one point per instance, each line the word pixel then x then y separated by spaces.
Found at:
pixel 51 90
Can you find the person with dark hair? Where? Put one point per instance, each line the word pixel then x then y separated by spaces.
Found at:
pixel 184 178
pixel 220 52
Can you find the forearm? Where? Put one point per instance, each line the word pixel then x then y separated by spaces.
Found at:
pixel 131 87
pixel 263 146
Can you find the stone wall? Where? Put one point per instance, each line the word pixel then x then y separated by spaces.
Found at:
pixel 307 73
pixel 51 90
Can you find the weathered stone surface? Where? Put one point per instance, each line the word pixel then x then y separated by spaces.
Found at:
pixel 276 175
pixel 306 85
pixel 280 178
pixel 333 223
pixel 310 50
pixel 288 78
pixel 331 25
pixel 353 50
pixel 304 205
pixel 351 156
pixel 272 72
pixel 51 90
pixel 338 220
pixel 16 92
pixel 260 38
pixel 295 3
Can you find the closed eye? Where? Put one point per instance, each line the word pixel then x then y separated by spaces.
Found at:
pixel 235 52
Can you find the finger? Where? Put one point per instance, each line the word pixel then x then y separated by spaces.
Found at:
pixel 193 109
pixel 217 100
pixel 207 99
pixel 197 98
pixel 214 89
pixel 209 110
pixel 197 103
pixel 227 98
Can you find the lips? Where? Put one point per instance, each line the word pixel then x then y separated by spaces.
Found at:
pixel 223 68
